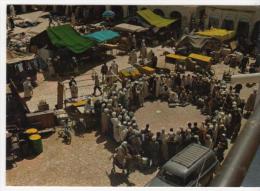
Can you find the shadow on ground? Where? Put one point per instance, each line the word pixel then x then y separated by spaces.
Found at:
pixel 117 179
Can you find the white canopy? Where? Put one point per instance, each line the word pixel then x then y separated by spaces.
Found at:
pixel 129 28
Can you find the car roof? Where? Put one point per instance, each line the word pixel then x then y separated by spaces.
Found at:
pixel 183 163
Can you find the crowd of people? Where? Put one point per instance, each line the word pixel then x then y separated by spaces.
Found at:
pixel 218 101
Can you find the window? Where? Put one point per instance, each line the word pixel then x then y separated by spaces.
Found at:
pixel 193 176
pixel 228 24
pixel 213 22
pixel 171 178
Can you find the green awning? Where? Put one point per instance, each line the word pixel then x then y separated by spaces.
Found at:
pixel 66 36
pixel 155 19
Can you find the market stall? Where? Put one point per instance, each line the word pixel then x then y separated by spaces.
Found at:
pixel 203 63
pixel 161 27
pixel 125 29
pixel 130 72
pixel 220 34
pixel 102 36
pixel 20 66
pixel 197 43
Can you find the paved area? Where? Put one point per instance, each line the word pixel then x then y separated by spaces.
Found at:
pixel 86 161
pixel 160 116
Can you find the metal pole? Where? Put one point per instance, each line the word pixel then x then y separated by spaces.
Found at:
pixel 241 154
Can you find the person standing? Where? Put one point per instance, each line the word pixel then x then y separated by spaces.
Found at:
pixel 28 89
pixel 132 58
pixel 73 88
pixel 154 148
pixel 134 44
pixel 75 65
pixel 154 61
pixel 51 70
pixel 104 70
pixel 143 51
pixel 11 21
pixel 250 104
pixel 50 20
pixel 114 67
pixel 97 85
pixel 244 63
pixel 12 11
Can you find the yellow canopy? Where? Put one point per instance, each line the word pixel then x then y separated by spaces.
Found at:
pixel 155 19
pixel 200 57
pixel 80 103
pixel 221 34
pixel 130 72
pixel 176 56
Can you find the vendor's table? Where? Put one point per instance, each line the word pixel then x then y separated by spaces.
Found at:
pixel 45 118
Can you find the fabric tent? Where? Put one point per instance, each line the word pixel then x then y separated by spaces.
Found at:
pixel 196 41
pixel 155 19
pixel 102 36
pixel 200 57
pixel 15 57
pixel 129 28
pixel 66 37
pixel 221 34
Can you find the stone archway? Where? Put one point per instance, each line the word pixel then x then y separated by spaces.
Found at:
pixel 119 12
pixel 132 9
pixel 178 24
pixel 242 29
pixel 256 32
pixel 98 10
pixel 159 12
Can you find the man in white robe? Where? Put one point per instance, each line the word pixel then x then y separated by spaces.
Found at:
pixel 132 58
pixel 115 122
pixel 114 67
pixel 51 70
pixel 28 88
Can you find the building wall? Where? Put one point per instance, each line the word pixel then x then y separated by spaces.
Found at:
pixel 185 11
pixel 249 14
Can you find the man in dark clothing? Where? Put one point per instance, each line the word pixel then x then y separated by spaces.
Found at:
pixel 195 129
pixel 50 20
pixel 236 123
pixel 243 64
pixel 154 61
pixel 72 81
pixel 177 81
pixel 154 148
pixel 12 25
pixel 104 70
pixel 238 88
pixel 219 150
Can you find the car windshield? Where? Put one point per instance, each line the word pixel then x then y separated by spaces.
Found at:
pixel 171 178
